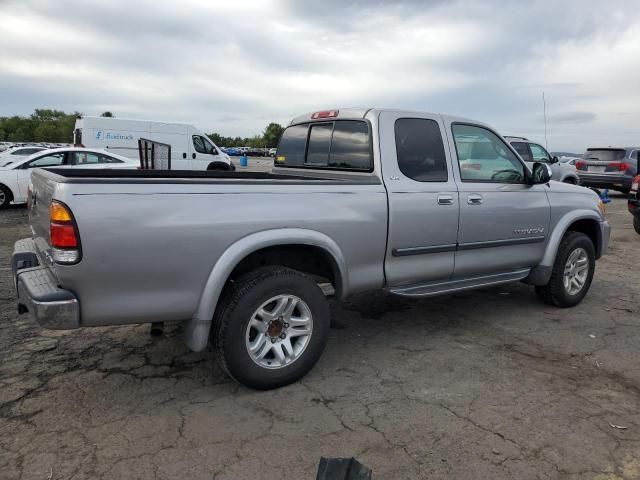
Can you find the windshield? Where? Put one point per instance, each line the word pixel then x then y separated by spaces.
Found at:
pixel 605 154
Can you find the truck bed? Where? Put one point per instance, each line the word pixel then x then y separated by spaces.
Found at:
pixel 150 239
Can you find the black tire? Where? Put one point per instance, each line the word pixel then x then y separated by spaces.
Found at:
pixel 554 293
pixel 220 166
pixel 5 197
pixel 636 224
pixel 240 301
pixel 570 180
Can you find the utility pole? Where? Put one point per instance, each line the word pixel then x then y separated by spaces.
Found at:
pixel 544 110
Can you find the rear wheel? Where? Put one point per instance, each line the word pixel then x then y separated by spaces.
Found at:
pixel 5 196
pixel 572 272
pixel 570 180
pixel 271 327
pixel 636 224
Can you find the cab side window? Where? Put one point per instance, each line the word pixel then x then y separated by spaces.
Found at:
pixel 484 157
pixel 420 150
pixel 198 144
pixel 202 145
pixel 539 154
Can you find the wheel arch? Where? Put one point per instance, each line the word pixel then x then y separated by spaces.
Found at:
pixel 245 253
pixel 219 165
pixel 585 221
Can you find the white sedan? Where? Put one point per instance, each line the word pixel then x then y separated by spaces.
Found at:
pixel 16 174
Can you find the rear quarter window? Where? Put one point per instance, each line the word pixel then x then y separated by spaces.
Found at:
pixel 337 145
pixel 420 150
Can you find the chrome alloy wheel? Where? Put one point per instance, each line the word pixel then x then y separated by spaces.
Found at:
pixel 279 331
pixel 576 271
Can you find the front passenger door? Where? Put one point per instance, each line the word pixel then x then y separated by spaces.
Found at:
pixel 503 219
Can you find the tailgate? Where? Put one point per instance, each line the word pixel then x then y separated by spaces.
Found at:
pixel 42 189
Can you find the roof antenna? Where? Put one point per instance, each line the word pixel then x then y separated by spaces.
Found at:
pixel 544 110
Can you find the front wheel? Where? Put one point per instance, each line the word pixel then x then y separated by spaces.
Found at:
pixel 572 272
pixel 271 327
pixel 636 224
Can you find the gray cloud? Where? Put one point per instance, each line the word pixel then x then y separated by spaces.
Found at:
pixel 234 66
pixel 572 117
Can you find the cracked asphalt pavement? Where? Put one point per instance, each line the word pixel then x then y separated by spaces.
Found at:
pixel 489 384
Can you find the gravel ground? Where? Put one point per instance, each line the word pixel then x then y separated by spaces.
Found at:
pixel 485 385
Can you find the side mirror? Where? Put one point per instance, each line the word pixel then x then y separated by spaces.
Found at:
pixel 541 174
pixel 554 159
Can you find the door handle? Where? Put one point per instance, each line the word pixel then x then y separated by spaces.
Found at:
pixel 445 199
pixel 193 155
pixel 184 154
pixel 474 199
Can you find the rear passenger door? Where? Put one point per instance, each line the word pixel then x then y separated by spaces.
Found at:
pixel 423 199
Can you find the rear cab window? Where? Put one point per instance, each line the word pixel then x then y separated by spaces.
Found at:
pixel 334 145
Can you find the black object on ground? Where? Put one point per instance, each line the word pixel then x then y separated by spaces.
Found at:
pixel 342 469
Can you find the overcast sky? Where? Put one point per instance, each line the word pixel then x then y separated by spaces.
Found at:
pixel 234 66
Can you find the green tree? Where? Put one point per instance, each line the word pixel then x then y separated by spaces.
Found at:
pixel 43 125
pixel 272 134
pixel 107 114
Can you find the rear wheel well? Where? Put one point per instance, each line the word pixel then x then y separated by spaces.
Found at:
pixel 590 229
pixel 218 165
pixel 314 261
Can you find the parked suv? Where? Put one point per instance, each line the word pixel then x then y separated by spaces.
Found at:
pixel 533 152
pixel 612 168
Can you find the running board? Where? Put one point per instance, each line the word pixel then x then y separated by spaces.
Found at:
pixel 450 286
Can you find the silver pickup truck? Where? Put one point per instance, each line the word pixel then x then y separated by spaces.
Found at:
pixel 359 199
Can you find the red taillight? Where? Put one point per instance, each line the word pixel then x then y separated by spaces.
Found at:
pixel 63 235
pixel 580 164
pixel 621 166
pixel 325 114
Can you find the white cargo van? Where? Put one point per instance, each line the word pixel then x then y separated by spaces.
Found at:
pixel 190 148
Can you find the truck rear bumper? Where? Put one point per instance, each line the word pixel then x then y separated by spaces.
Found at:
pixel 38 293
